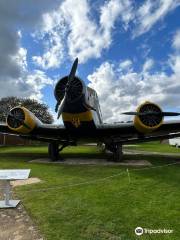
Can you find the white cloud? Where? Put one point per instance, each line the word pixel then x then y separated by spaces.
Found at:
pixel 25 84
pixel 148 65
pixel 72 27
pixel 75 30
pixel 53 55
pixel 71 30
pixel 15 79
pixel 124 65
pixel 124 91
pixel 51 33
pixel 68 29
pixel 175 63
pixel 37 81
pixel 150 12
pixel 176 40
pixel 20 58
pixel 87 38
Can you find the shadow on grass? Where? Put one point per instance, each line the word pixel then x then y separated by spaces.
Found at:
pixel 35 155
pixel 27 153
pixel 63 155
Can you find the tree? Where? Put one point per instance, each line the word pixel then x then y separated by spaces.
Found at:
pixel 40 110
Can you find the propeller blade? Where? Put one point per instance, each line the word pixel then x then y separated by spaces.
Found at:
pixel 170 114
pixel 164 114
pixel 131 113
pixel 142 114
pixel 61 106
pixel 68 85
pixel 73 71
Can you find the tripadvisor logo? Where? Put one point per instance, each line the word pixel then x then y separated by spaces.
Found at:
pixel 139 231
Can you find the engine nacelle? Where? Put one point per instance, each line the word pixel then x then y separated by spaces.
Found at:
pixel 148 122
pixel 21 120
pixel 76 89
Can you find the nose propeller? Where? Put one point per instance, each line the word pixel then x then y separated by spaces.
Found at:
pixel 71 76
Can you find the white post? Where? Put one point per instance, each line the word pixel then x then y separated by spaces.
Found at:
pixel 7 192
pixel 128 175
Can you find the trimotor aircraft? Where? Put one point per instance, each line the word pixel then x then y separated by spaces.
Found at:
pixel 81 114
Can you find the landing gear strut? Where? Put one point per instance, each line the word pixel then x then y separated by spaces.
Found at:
pixel 118 153
pixel 116 149
pixel 53 150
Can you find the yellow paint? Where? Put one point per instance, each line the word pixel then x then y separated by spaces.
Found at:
pixel 29 122
pixel 140 126
pixel 76 122
pixel 77 118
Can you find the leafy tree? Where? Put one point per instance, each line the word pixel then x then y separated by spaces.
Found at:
pixel 40 110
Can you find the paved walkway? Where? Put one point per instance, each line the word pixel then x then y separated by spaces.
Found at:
pixel 15 224
pixel 146 153
pixel 91 161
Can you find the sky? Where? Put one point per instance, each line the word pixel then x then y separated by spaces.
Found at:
pixel 129 51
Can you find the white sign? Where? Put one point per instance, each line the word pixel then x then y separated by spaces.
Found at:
pixel 14 174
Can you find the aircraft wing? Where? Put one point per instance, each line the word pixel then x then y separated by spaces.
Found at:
pixel 123 133
pixel 44 132
pixel 4 129
pixel 126 133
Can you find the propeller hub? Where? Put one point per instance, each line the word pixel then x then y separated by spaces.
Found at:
pixel 16 117
pixel 150 114
pixel 74 91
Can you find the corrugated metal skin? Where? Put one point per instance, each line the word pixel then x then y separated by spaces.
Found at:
pixel 13 140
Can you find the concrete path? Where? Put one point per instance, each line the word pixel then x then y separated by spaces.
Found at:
pixel 94 161
pixel 15 224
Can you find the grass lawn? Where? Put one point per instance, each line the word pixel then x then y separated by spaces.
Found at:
pixel 110 208
pixel 155 147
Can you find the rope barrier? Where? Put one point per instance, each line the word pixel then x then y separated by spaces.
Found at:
pixel 100 179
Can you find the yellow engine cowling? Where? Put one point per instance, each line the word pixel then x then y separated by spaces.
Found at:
pixel 21 120
pixel 150 122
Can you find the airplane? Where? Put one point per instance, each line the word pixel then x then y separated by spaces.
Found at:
pixel 79 107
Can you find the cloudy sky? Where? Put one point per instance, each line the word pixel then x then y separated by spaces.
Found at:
pixel 129 51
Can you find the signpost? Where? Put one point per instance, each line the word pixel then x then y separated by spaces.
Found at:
pixel 6 176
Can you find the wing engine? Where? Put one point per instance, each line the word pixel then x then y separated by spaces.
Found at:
pixel 21 120
pixel 149 117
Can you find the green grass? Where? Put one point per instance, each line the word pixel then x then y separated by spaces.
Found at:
pixel 155 147
pixel 106 209
pixel 42 151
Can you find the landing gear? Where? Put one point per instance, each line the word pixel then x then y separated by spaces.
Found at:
pixel 118 153
pixel 53 150
pixel 116 149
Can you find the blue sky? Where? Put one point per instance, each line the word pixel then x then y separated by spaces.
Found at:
pixel 129 51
